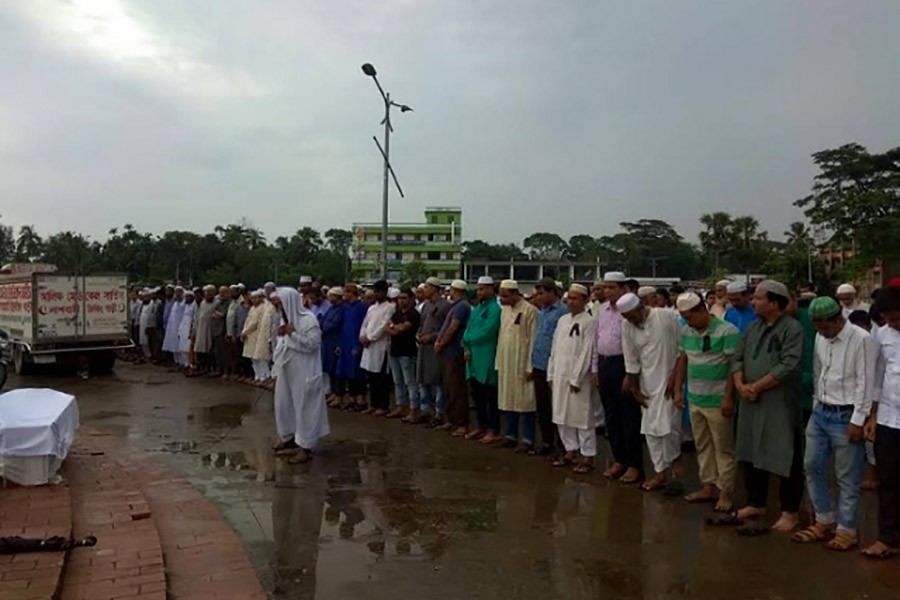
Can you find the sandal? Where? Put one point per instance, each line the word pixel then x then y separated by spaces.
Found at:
pixel 883 553
pixel 813 533
pixel 753 528
pixel 723 509
pixel 563 461
pixel 841 542
pixel 301 457
pixel 583 468
pixel 724 520
pixel 653 485
pixel 612 473
pixel 630 480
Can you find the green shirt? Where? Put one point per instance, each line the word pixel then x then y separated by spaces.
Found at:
pixel 709 357
pixel 480 340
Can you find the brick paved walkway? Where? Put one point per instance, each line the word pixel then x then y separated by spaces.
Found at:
pixel 33 512
pixel 158 537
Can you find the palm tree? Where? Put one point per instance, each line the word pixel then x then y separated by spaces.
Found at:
pixel 29 245
pixel 798 235
pixel 719 234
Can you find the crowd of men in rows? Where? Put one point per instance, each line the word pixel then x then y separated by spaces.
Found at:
pixel 761 379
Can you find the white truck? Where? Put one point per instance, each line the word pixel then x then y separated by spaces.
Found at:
pixel 76 319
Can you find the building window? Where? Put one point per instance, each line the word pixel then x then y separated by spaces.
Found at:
pixel 430 237
pixel 433 220
pixel 417 238
pixel 417 256
pixel 434 256
pixel 450 256
pixel 398 255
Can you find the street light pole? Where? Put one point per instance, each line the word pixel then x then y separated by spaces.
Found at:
pixel 369 70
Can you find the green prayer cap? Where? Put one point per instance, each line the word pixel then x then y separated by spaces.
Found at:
pixel 823 307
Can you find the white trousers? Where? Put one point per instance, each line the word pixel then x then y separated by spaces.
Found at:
pixel 261 370
pixel 574 439
pixel 664 449
pixel 181 358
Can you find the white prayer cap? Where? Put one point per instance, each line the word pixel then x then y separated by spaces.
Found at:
pixel 336 291
pixel 776 287
pixel 233 287
pixel 808 296
pixel 645 290
pixel 433 281
pixel 393 293
pixel 178 288
pixel 258 293
pixel 736 287
pixel 269 284
pixel 170 286
pixel 421 286
pixel 509 284
pixel 305 279
pixel 145 291
pixel 614 277
pixel 723 283
pixel 846 288
pixel 209 286
pixel 687 301
pixel 459 284
pixel 577 288
pixel 241 287
pixel 485 280
pixel 627 303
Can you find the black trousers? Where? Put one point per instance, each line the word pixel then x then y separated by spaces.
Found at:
pixel 380 387
pixel 453 373
pixel 887 465
pixel 790 490
pixel 623 414
pixel 485 397
pixel 543 397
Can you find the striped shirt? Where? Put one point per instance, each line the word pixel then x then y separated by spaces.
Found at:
pixel 709 357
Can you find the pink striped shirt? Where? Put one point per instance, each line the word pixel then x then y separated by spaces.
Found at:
pixel 609 334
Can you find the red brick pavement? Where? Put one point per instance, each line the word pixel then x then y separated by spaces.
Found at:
pixel 202 556
pixel 36 512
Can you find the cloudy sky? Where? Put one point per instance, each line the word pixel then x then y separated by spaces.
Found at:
pixel 566 116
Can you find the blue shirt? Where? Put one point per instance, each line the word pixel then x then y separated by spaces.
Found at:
pixel 459 310
pixel 740 318
pixel 547 319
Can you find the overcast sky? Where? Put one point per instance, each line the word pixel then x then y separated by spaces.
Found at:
pixel 566 116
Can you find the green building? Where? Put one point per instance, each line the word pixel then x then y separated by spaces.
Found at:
pixel 436 244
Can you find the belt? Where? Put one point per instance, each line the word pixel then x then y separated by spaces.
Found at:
pixel 837 407
pixel 609 356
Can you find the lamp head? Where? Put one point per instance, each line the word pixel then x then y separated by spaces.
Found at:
pixel 369 70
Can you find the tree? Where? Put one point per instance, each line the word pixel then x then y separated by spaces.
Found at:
pixel 545 246
pixel 717 237
pixel 29 245
pixel 415 272
pixel 72 253
pixel 7 243
pixel 585 248
pixel 338 240
pixel 798 236
pixel 481 250
pixel 856 196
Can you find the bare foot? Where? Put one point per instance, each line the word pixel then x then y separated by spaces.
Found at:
pixel 706 493
pixel 750 512
pixel 725 503
pixel 615 470
pixel 657 482
pixel 786 522
pixel 632 475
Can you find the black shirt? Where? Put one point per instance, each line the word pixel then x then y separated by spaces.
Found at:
pixel 405 343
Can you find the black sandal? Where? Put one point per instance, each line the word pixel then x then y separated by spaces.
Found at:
pixel 753 528
pixel 724 519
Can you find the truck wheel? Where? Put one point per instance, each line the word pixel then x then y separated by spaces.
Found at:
pixel 21 365
pixel 102 362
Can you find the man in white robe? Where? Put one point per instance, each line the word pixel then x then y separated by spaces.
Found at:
pixel 300 415
pixel 376 343
pixel 185 332
pixel 144 322
pixel 650 345
pixel 569 374
pixel 170 341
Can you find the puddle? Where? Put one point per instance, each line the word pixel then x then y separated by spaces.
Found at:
pixel 228 415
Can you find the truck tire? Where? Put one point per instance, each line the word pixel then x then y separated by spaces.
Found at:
pixel 102 362
pixel 21 364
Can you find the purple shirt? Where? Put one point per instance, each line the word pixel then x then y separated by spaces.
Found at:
pixel 609 334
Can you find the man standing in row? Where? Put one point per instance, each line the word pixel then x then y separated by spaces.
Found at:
pixel 844 370
pixel 374 340
pixel 650 346
pixel 767 378
pixel 515 344
pixel 402 329
pixel 623 415
pixel 569 372
pixel 706 350
pixel 720 305
pixel 551 309
pixel 480 344
pixel 428 372
pixel 740 313
pixel 453 365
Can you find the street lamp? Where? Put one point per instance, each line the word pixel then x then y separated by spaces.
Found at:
pixel 370 71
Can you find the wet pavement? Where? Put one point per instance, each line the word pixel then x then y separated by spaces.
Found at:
pixel 388 510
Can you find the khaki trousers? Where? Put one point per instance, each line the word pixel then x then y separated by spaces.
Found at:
pixel 714 438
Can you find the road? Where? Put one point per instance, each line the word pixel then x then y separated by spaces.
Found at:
pixel 388 510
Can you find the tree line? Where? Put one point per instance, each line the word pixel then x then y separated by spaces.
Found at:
pixel 855 199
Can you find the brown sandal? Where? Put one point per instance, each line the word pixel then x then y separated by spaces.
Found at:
pixel 813 533
pixel 841 542
pixel 303 456
pixel 583 468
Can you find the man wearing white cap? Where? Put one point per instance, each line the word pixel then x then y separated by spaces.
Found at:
pixel 402 329
pixel 767 370
pixel 740 313
pixel 650 344
pixel 647 294
pixel 332 325
pixel 623 415
pixel 720 306
pixel 515 344
pixel 569 373
pixel 847 296
pixel 453 364
pixel 170 339
pixel 185 328
pixel 304 286
pixel 480 344
pixel 705 353
pixel 598 297
pixel 428 367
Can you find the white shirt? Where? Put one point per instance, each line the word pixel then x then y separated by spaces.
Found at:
pixel 377 318
pixel 844 371
pixel 863 306
pixel 887 376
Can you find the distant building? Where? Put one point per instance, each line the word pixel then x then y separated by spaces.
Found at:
pixel 833 259
pixel 436 243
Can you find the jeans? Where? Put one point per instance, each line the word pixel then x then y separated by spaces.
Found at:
pixel 827 433
pixel 512 426
pixel 406 389
pixel 433 394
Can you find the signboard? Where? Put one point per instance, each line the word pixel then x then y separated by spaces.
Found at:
pixel 106 306
pixel 15 308
pixel 76 306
